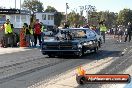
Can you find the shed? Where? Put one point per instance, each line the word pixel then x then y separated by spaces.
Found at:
pixel 17 17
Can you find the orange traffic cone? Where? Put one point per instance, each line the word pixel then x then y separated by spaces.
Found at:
pixel 23 42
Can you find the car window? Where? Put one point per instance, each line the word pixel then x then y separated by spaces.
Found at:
pixel 79 33
pixel 91 33
pixel 75 33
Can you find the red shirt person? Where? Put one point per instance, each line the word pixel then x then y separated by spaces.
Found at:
pixel 37 32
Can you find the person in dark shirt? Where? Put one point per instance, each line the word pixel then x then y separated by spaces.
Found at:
pixel 128 32
pixel 86 26
pixel 120 33
pixel 27 34
pixel 66 25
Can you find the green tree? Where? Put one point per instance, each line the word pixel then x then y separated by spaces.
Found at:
pixel 109 18
pixel 33 5
pixel 75 18
pixel 124 17
pixel 50 9
pixel 58 18
pixel 93 18
pixel 57 15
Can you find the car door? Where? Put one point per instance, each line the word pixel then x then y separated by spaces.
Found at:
pixel 87 40
pixel 94 38
pixel 91 39
pixel 92 35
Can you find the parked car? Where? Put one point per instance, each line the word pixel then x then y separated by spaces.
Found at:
pixel 71 41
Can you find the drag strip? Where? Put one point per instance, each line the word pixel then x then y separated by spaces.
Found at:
pixel 41 69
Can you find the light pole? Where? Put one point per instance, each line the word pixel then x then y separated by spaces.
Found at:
pixel 81 10
pixel 75 10
pixel 20 4
pixel 67 7
pixel 89 9
pixel 66 11
pixel 81 14
pixel 15 4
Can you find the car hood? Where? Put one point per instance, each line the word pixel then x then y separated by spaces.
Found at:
pixel 54 41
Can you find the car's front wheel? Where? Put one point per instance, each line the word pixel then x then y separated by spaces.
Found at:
pixel 99 44
pixel 96 49
pixel 80 53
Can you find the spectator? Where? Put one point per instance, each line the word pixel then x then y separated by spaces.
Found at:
pixel 128 32
pixel 103 29
pixel 2 40
pixel 75 26
pixel 37 32
pixel 115 30
pixel 65 26
pixel 43 27
pixel 120 33
pixel 111 31
pixel 31 35
pixel 27 34
pixel 8 33
pixel 79 26
pixel 86 26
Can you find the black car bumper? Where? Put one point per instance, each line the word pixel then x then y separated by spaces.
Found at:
pixel 61 52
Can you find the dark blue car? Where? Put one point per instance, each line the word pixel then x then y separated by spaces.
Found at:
pixel 71 41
